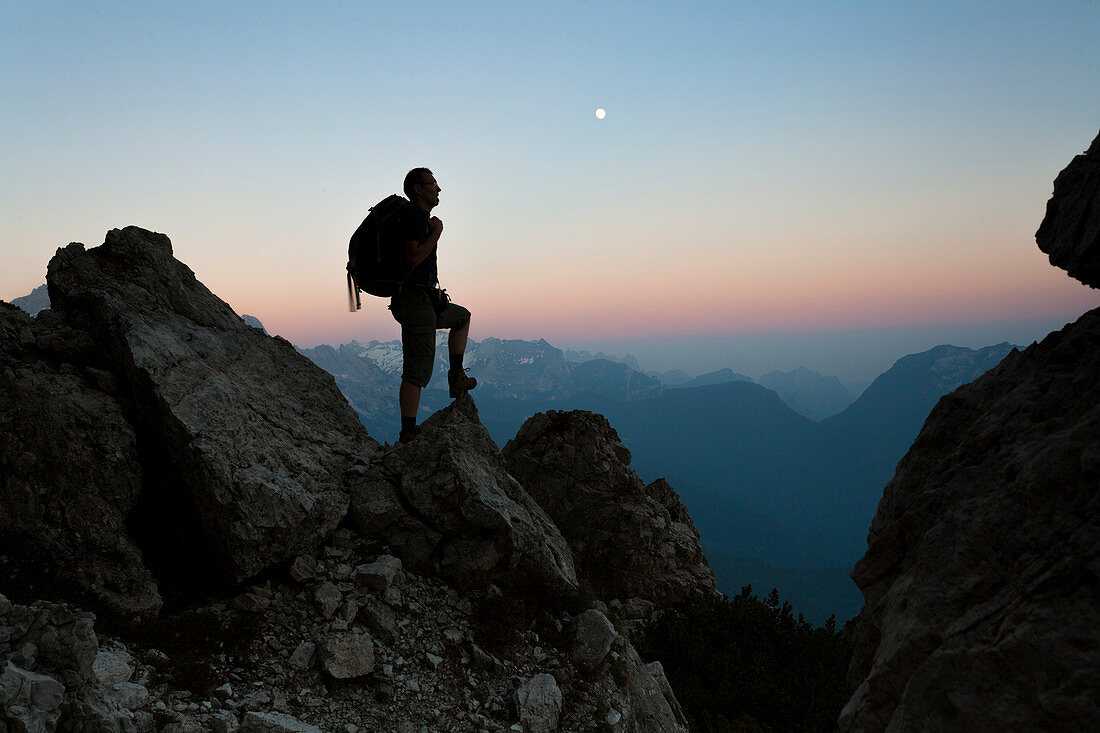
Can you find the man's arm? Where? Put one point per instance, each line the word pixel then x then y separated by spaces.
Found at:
pixel 416 252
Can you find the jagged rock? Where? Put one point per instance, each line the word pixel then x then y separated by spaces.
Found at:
pixel 328 598
pixel 445 503
pixel 29 701
pixel 538 702
pixel 303 568
pixel 379 574
pixel 302 655
pixel 275 723
pixel 69 464
pixel 113 666
pixel 657 671
pixel 981 574
pixel 65 651
pixel 635 700
pixel 1070 232
pixel 593 636
pixel 379 618
pixel 224 721
pixel 64 641
pixel 347 655
pixel 247 440
pixel 628 539
pixel 129 695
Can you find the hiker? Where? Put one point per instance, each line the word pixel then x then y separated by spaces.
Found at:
pixel 421 307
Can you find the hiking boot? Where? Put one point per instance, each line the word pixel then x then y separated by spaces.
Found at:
pixel 406 436
pixel 460 383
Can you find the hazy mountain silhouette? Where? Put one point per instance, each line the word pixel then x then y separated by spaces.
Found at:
pixel 672 378
pixel 34 301
pixel 720 376
pixel 808 393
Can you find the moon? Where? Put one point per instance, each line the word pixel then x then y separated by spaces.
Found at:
pixel 601 113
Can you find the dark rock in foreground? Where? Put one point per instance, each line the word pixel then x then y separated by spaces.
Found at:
pixel 982 572
pixel 628 539
pixel 1070 232
pixel 245 442
pixel 69 466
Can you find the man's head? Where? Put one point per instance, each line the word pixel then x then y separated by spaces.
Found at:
pixel 421 188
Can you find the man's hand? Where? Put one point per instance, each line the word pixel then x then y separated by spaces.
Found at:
pixel 417 252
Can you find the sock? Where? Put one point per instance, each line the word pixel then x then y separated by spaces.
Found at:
pixel 456 362
pixel 408 424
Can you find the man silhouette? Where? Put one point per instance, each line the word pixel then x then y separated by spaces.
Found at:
pixel 421 307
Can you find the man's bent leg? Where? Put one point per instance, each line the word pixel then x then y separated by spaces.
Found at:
pixel 457 319
pixel 456 340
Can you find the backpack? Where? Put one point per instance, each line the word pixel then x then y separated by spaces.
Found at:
pixel 376 261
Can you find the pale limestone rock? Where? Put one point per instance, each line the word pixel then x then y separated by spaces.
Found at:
pixel 593 635
pixel 345 656
pixel 538 702
pixel 255 722
pixel 379 574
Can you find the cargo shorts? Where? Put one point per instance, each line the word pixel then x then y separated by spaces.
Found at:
pixel 413 309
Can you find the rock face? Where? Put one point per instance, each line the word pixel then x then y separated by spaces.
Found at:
pixel 983 562
pixel 1070 232
pixel 445 503
pixel 244 443
pixel 143 422
pixel 69 465
pixel 628 539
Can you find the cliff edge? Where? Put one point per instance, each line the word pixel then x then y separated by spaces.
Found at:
pixel 982 571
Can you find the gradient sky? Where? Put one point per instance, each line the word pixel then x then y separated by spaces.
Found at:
pixel 764 168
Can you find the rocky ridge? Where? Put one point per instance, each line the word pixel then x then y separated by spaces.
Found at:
pixel 628 539
pixel 983 569
pixel 155 445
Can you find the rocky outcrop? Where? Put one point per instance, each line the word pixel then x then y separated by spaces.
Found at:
pixel 244 443
pixel 444 503
pixel 1070 232
pixel 628 539
pixel 983 562
pixel 69 465
pixel 147 431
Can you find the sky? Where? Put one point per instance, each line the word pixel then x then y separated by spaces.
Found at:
pixel 775 184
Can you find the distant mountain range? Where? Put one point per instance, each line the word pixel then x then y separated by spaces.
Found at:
pixel 776 495
pixel 782 476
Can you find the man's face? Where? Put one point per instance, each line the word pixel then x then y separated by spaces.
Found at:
pixel 429 189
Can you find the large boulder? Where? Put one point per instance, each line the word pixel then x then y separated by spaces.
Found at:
pixel 1070 232
pixel 69 467
pixel 444 503
pixel 628 539
pixel 981 574
pixel 982 568
pixel 243 442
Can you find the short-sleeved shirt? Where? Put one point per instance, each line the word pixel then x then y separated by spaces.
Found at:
pixel 414 225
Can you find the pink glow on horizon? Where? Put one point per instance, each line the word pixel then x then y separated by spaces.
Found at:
pixel 805 305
